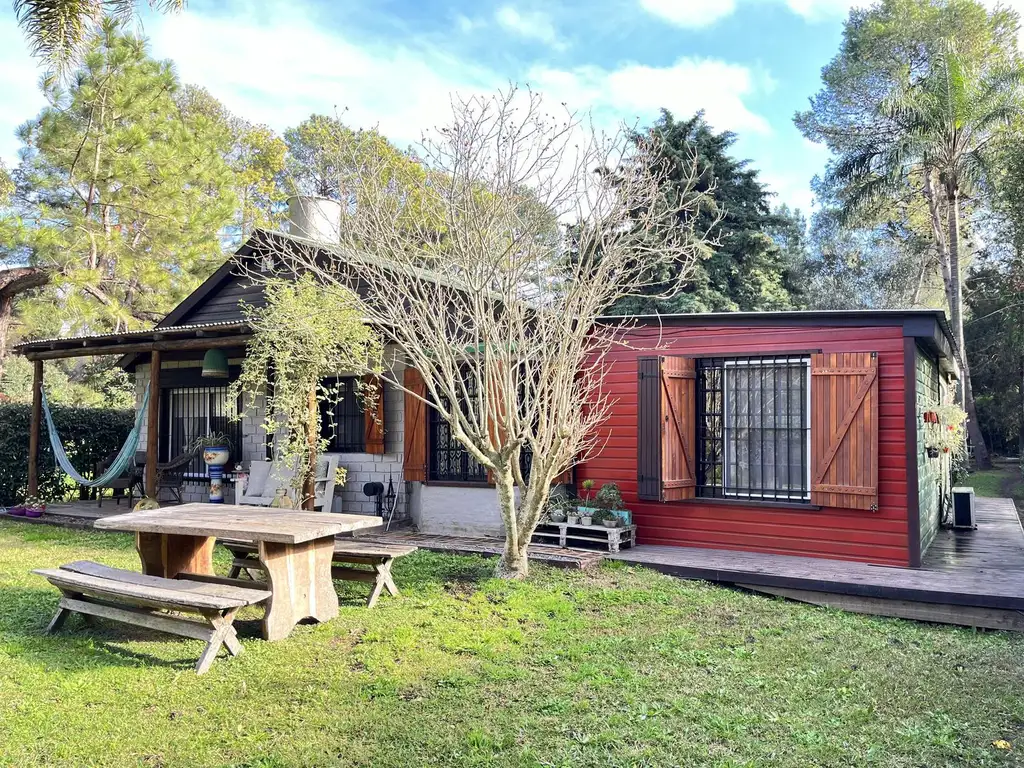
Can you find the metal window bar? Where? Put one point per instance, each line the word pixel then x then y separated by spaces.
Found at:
pixel 342 422
pixel 753 428
pixel 449 461
pixel 195 412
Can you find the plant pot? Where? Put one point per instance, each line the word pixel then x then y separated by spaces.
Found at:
pixel 586 520
pixel 624 516
pixel 216 456
pixel 585 510
pixel 573 519
pixel 557 517
pixel 612 522
pixel 16 511
pixel 34 512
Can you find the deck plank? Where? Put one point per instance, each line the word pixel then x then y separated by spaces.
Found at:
pixel 978 569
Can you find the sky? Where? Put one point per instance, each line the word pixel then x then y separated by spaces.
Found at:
pixel 393 64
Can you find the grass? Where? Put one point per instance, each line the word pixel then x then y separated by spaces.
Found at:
pixel 622 667
pixel 1002 481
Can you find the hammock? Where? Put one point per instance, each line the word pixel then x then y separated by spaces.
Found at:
pixel 121 462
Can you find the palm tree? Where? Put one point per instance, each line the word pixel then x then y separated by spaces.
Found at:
pixel 940 130
pixel 57 29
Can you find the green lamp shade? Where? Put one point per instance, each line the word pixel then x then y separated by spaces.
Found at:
pixel 215 364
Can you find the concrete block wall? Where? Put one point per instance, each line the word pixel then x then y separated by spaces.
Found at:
pixel 362 467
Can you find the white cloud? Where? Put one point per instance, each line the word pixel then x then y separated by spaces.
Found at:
pixel 694 14
pixel 532 25
pixel 690 13
pixel 638 91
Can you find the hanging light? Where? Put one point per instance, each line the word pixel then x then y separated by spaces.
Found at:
pixel 215 364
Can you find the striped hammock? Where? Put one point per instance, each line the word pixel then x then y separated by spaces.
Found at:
pixel 121 462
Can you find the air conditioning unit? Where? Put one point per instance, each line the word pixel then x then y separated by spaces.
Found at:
pixel 963 509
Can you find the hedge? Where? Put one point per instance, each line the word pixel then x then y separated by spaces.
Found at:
pixel 89 435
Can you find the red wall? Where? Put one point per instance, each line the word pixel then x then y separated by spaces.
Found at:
pixel 877 537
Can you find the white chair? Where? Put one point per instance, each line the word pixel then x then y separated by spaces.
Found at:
pixel 266 477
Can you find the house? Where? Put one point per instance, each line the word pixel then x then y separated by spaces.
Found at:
pixel 783 432
pixel 794 433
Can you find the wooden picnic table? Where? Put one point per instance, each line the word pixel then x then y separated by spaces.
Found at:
pixel 294 548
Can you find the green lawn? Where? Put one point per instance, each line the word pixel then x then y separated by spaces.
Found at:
pixel 622 667
pixel 1002 481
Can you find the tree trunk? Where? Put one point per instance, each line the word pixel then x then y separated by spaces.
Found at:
pixel 14 282
pixel 309 478
pixel 956 299
pixel 6 320
pixel 514 562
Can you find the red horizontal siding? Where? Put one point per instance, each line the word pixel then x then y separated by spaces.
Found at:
pixel 876 537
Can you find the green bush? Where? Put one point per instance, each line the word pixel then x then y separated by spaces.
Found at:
pixel 89 435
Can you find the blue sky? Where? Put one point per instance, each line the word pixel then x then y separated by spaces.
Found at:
pixel 393 63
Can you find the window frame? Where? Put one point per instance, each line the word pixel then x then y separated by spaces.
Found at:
pixel 765 494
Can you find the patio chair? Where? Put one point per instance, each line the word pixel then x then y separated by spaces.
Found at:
pixel 170 475
pixel 127 481
pixel 265 477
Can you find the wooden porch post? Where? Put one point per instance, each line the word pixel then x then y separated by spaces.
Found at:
pixel 153 423
pixel 35 427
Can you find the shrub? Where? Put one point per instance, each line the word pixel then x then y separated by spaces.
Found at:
pixel 89 435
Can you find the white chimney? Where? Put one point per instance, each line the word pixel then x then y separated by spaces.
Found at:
pixel 315 218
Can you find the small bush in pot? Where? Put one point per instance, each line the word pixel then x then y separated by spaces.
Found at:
pixel 33 506
pixel 556 511
pixel 610 498
pixel 587 507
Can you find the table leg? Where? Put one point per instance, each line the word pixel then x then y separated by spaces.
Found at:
pixel 167 555
pixel 300 580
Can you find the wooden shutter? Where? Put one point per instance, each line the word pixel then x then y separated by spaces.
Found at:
pixel 666 441
pixel 415 425
pixel 844 430
pixel 678 423
pixel 373 418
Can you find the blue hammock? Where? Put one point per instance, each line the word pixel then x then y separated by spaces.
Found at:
pixel 124 457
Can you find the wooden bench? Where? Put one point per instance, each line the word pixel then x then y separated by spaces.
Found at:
pixel 349 552
pixel 128 597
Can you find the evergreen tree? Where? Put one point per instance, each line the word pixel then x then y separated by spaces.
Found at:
pixel 753 263
pixel 121 194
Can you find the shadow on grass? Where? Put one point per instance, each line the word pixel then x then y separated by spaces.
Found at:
pixel 86 641
pixel 66 536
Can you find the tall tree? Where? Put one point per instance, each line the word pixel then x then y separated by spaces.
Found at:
pixel 121 195
pixel 58 30
pixel 916 95
pixel 746 266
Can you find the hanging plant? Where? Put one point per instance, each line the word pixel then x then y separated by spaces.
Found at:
pixel 944 430
pixel 308 331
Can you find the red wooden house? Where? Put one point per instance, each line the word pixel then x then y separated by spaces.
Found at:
pixel 784 432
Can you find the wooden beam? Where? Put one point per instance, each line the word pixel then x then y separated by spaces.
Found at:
pixel 142 346
pixel 312 438
pixel 153 423
pixel 35 428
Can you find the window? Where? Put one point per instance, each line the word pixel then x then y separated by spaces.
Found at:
pixel 753 428
pixel 449 460
pixel 193 412
pixel 342 422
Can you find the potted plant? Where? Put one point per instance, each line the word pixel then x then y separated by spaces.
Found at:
pixel 609 498
pixel 556 510
pixel 34 506
pixel 216 450
pixel 607 518
pixel 587 508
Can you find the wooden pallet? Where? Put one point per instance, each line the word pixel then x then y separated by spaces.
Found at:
pixel 585 536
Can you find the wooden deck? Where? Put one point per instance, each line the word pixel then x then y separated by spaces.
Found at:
pixel 971 578
pixel 463 545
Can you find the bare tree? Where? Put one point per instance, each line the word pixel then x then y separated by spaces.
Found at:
pixel 488 267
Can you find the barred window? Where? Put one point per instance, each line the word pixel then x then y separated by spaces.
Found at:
pixel 194 412
pixel 753 428
pixel 449 461
pixel 342 422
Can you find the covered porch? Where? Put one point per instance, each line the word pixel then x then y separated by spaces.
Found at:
pixel 158 349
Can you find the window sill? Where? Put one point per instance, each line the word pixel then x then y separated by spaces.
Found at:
pixel 796 506
pixel 459 483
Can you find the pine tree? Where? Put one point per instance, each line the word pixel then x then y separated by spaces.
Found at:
pixel 121 193
pixel 748 266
